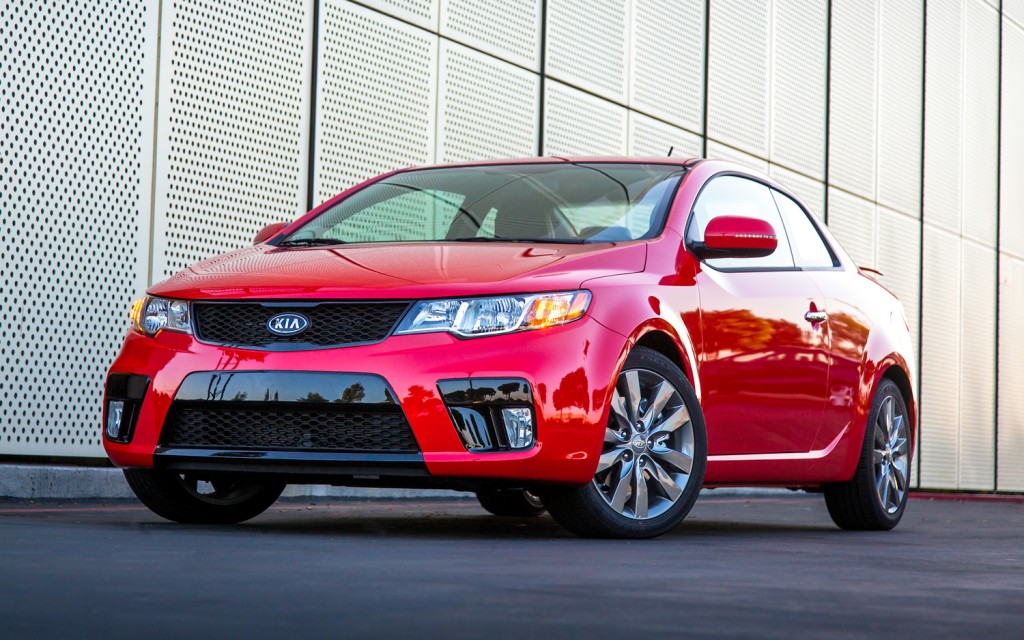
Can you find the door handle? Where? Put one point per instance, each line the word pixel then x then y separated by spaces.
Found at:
pixel 815 317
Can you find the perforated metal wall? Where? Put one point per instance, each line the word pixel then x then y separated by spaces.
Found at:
pixel 853 221
pixel 853 95
pixel 940 359
pixel 422 13
pixel 508 29
pixel 667 74
pixel 900 84
pixel 739 51
pixel 976 442
pixel 376 93
pixel 234 116
pixel 981 124
pixel 943 143
pixel 1011 198
pixel 76 134
pixel 1011 375
pixel 588 45
pixel 486 108
pixel 718 151
pixel 799 57
pixel 565 109
pixel 898 256
pixel 653 139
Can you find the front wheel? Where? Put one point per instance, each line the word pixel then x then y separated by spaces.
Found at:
pixel 876 497
pixel 184 497
pixel 652 463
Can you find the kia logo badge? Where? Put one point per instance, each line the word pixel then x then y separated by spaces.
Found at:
pixel 287 324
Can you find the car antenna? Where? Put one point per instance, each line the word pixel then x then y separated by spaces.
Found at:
pixel 670 151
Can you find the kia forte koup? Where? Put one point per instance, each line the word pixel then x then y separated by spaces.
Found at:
pixel 597 338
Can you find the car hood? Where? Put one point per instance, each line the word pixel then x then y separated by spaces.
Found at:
pixel 393 271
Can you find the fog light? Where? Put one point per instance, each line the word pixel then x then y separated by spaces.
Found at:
pixel 115 413
pixel 518 427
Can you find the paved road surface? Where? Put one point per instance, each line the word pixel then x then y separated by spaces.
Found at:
pixel 771 567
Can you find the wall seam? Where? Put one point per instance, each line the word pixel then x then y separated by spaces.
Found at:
pixel 156 140
pixel 999 188
pixel 542 89
pixel 828 106
pixel 707 73
pixel 314 71
pixel 920 239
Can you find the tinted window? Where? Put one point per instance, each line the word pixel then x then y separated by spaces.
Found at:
pixel 809 249
pixel 554 202
pixel 735 196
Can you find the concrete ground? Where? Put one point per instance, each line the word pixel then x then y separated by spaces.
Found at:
pixel 769 566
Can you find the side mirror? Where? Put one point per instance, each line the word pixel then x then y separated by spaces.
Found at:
pixel 269 231
pixel 736 237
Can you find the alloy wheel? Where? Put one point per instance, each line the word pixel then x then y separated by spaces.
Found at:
pixel 648 449
pixel 890 456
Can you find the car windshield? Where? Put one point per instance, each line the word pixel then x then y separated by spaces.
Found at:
pixel 550 202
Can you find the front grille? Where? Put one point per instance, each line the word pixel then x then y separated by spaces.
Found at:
pixel 286 428
pixel 331 324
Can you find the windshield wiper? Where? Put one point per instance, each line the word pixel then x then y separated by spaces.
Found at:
pixel 310 242
pixel 537 240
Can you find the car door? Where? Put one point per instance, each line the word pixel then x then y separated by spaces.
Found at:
pixel 847 324
pixel 764 363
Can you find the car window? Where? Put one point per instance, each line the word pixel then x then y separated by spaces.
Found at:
pixel 554 202
pixel 809 250
pixel 736 196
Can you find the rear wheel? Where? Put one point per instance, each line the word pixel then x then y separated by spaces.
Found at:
pixel 876 497
pixel 652 462
pixel 184 497
pixel 513 503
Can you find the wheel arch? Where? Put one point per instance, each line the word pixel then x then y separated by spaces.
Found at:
pixel 663 338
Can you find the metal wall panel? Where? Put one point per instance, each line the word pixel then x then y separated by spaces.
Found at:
pixel 1011 375
pixel 565 111
pixel 1014 9
pixel 899 259
pixel 976 441
pixel 667 75
pixel 900 83
pixel 376 90
pixel 423 13
pixel 588 45
pixel 234 119
pixel 853 96
pixel 76 135
pixel 1011 199
pixel 799 54
pixel 810 191
pixel 738 58
pixel 509 29
pixel 718 151
pixel 981 122
pixel 940 359
pixel 853 221
pixel 486 108
pixel 652 138
pixel 943 144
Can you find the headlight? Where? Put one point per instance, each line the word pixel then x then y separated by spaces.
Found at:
pixel 151 315
pixel 470 317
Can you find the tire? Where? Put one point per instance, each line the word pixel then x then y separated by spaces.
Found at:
pixel 652 462
pixel 511 503
pixel 876 497
pixel 181 497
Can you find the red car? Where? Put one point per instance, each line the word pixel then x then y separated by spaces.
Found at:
pixel 597 337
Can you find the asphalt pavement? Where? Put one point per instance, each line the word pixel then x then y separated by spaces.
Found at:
pixel 769 567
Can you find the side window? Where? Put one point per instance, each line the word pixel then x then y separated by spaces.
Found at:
pixel 736 196
pixel 809 249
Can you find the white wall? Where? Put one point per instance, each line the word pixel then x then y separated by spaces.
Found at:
pixel 150 134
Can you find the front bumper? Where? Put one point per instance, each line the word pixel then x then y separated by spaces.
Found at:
pixel 569 370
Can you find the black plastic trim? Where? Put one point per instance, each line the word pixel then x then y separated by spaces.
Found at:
pixel 129 388
pixel 296 463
